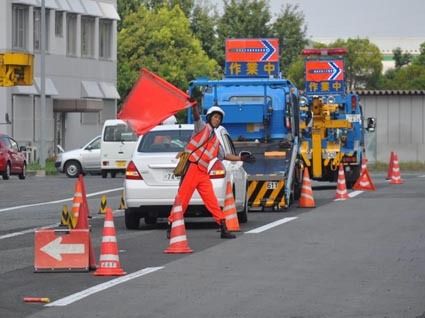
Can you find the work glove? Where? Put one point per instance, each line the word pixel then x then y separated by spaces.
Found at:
pixel 247 157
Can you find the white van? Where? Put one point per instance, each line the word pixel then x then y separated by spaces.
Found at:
pixel 116 148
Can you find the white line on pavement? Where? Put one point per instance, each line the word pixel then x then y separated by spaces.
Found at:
pixel 354 193
pixel 270 225
pixel 92 290
pixel 57 201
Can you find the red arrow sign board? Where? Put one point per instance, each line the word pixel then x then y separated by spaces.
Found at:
pixel 252 50
pixel 61 250
pixel 326 70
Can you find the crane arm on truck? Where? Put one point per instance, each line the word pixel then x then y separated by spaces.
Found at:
pixel 16 69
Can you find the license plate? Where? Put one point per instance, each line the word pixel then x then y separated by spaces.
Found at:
pixel 169 176
pixel 121 163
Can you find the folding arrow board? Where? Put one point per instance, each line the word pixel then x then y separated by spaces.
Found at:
pixel 61 250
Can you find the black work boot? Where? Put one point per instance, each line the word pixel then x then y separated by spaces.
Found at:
pixel 169 230
pixel 224 233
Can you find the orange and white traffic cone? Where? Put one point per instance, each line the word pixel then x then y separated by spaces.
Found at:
pixel 109 262
pixel 364 166
pixel 395 175
pixel 76 202
pixel 390 166
pixel 341 188
pixel 306 197
pixel 178 239
pixel 229 210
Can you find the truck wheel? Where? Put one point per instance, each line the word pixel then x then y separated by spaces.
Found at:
pixel 132 218
pixel 113 174
pixel 72 169
pixel 6 173
pixel 104 174
pixel 352 178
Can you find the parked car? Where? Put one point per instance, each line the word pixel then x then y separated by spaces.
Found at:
pixel 150 185
pixel 12 158
pixel 83 160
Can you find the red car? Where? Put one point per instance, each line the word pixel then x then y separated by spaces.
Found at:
pixel 12 158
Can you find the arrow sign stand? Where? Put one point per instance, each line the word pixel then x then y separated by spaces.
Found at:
pixel 61 250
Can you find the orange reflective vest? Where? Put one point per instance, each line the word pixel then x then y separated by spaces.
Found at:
pixel 203 147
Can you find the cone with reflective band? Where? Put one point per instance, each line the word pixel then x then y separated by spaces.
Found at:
pixel 364 182
pixel 364 166
pixel 65 217
pixel 395 175
pixel 122 202
pixel 178 239
pixel 341 187
pixel 109 262
pixel 306 197
pixel 83 224
pixel 84 194
pixel 390 166
pixel 229 210
pixel 103 205
pixel 76 202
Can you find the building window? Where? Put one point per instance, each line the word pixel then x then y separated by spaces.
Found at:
pixel 37 29
pixel 87 36
pixel 20 27
pixel 105 38
pixel 59 23
pixel 71 34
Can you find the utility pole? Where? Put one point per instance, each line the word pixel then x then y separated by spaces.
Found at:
pixel 43 128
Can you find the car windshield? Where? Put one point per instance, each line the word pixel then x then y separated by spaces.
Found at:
pixel 165 141
pixel 119 133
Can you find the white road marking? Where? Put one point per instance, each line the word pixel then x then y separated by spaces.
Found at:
pixel 92 290
pixel 271 225
pixel 26 231
pixel 354 193
pixel 57 201
pixel 423 176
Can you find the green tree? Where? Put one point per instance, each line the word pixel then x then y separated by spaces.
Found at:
pixel 363 63
pixel 185 5
pixel 243 19
pixel 291 30
pixel 126 7
pixel 420 59
pixel 296 72
pixel 160 40
pixel 400 58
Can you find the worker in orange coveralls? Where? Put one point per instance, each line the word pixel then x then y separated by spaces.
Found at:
pixel 204 146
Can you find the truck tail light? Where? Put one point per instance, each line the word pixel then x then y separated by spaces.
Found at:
pixel 131 173
pixel 217 171
pixel 353 102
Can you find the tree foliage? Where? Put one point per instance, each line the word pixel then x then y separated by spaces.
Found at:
pixel 160 40
pixel 291 30
pixel 401 58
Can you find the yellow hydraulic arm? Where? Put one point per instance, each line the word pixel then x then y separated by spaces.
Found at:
pixel 321 121
pixel 16 69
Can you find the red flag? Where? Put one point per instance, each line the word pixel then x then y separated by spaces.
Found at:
pixel 152 100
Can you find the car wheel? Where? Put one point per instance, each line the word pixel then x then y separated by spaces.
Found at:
pixel 6 173
pixel 150 220
pixel 132 218
pixel 23 174
pixel 72 169
pixel 243 215
pixel 104 174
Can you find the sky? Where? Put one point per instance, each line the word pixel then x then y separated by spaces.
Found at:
pixel 360 18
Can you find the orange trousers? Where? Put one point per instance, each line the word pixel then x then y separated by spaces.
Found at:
pixel 199 180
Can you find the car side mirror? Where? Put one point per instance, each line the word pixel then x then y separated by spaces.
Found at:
pixel 371 124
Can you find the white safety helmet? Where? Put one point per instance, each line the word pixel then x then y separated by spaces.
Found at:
pixel 215 109
pixel 170 120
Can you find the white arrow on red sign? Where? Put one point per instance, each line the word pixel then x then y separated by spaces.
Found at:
pixel 55 249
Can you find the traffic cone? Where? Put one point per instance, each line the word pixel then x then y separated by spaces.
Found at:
pixel 364 166
pixel 122 202
pixel 103 205
pixel 83 224
pixel 229 210
pixel 306 197
pixel 84 194
pixel 341 188
pixel 109 262
pixel 76 202
pixel 65 217
pixel 178 239
pixel 395 175
pixel 390 166
pixel 364 182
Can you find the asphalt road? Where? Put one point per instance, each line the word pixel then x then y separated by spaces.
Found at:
pixel 363 257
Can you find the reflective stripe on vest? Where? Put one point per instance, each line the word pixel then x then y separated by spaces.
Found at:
pixel 203 150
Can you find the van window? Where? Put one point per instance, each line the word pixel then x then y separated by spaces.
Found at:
pixel 164 141
pixel 119 133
